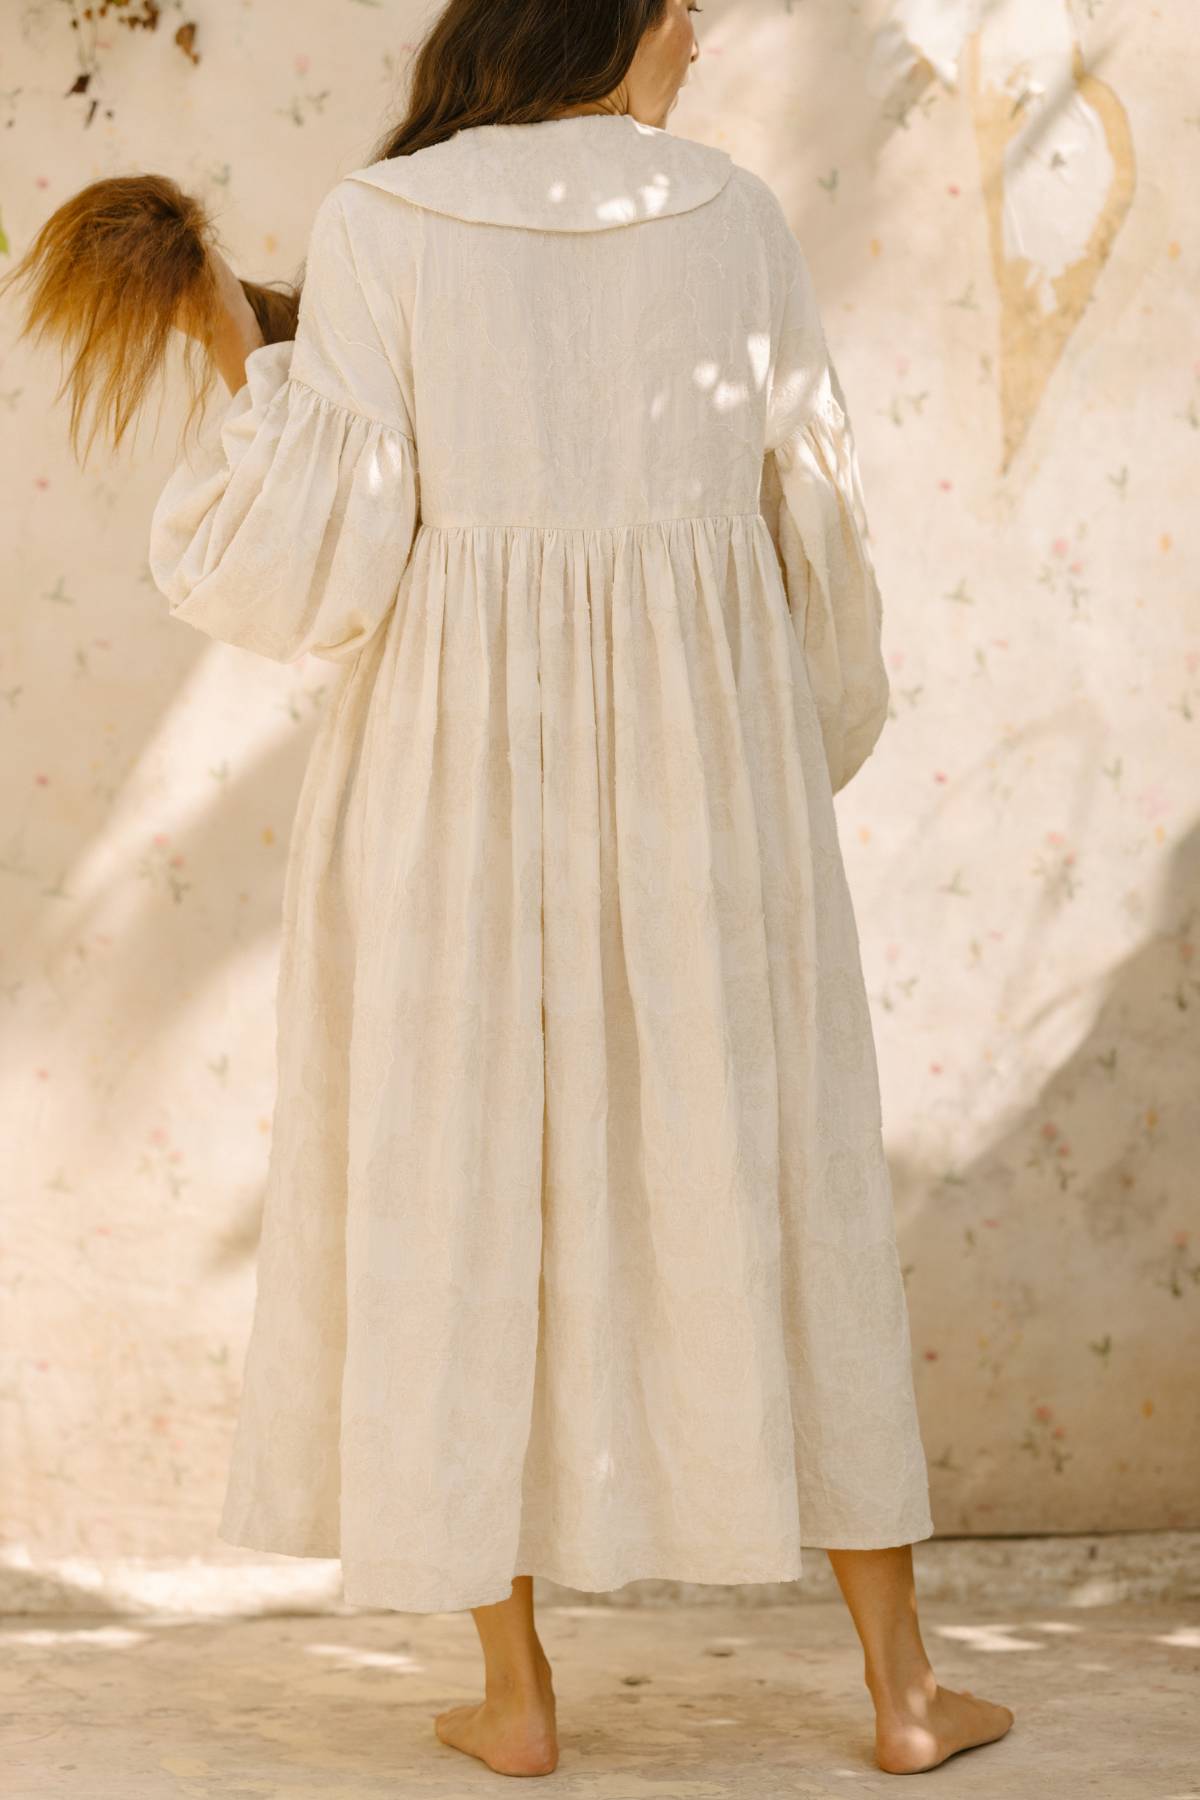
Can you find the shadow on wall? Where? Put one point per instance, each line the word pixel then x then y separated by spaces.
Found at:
pixel 1079 1270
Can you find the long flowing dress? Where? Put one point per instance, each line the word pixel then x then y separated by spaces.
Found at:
pixel 578 1256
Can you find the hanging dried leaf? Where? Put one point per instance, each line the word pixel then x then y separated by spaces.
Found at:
pixel 133 13
pixel 148 17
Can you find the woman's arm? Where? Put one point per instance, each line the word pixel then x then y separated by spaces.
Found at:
pixel 238 332
pixel 238 336
pixel 288 528
pixel 812 490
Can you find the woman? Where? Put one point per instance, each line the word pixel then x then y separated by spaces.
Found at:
pixel 578 1255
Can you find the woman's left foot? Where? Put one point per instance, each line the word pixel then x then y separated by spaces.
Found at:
pixel 516 1735
pixel 933 1723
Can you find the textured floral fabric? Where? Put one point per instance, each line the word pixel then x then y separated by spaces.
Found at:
pixel 578 1256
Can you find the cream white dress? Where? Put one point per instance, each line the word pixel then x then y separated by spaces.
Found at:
pixel 579 1252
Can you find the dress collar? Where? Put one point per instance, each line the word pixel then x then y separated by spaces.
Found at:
pixel 584 172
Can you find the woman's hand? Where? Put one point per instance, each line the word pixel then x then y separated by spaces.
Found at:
pixel 237 331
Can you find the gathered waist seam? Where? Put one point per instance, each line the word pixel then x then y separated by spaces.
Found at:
pixel 544 526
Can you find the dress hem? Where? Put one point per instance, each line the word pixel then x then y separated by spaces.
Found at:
pixel 357 1577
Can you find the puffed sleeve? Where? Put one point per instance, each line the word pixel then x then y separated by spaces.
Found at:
pixel 286 532
pixel 813 502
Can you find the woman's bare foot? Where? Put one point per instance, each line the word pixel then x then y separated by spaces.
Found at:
pixel 918 1724
pixel 513 1731
pixel 921 1728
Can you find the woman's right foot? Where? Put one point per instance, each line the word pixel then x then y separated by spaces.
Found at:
pixel 929 1723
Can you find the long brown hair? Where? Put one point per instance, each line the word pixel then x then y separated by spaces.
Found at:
pixel 124 261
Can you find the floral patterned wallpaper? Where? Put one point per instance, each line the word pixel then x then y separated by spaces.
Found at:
pixel 998 205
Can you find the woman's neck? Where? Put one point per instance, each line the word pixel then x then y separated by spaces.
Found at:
pixel 616 102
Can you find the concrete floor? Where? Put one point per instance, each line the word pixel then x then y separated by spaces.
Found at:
pixel 678 1703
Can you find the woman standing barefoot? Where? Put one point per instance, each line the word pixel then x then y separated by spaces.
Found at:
pixel 578 1253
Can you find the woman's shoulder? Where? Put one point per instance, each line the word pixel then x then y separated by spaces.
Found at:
pixel 352 230
pixel 760 200
pixel 770 229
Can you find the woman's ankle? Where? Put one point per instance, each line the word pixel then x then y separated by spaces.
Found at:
pixel 900 1678
pixel 524 1684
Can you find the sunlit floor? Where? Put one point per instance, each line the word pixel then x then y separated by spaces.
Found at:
pixel 679 1703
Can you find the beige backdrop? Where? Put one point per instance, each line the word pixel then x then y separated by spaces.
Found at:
pixel 998 202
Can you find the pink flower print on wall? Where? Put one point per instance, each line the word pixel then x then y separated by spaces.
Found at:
pixel 162 1160
pixel 1043 1438
pixel 1055 868
pixel 1051 1152
pixel 1177 1267
pixel 161 867
pixel 1060 574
